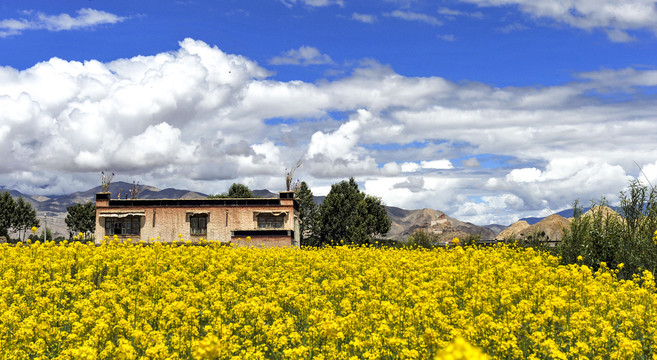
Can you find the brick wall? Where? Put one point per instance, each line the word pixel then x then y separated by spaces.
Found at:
pixel 168 222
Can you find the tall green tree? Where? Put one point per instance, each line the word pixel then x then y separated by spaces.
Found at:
pixel 308 215
pixel 25 217
pixel 349 215
pixel 7 208
pixel 235 191
pixel 81 218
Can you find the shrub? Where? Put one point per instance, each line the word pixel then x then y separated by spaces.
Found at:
pixel 422 238
pixel 626 239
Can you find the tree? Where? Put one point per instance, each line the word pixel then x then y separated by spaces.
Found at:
pixel 25 217
pixel 81 218
pixel 423 238
pixel 235 191
pixel 7 208
pixel 349 215
pixel 48 235
pixel 308 213
pixel 239 191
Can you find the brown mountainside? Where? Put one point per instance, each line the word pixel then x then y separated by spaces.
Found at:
pixel 549 229
pixel 406 222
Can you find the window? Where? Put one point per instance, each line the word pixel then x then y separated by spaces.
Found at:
pixel 198 224
pixel 128 225
pixel 270 221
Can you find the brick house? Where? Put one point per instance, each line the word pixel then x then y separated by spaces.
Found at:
pixel 268 222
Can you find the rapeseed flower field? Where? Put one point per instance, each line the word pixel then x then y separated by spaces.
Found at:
pixel 130 301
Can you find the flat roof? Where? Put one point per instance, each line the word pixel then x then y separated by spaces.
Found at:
pixel 197 202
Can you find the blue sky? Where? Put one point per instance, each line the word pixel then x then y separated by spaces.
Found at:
pixel 489 110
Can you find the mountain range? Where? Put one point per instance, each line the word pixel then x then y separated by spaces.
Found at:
pixel 52 210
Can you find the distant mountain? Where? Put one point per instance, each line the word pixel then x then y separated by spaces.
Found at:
pixel 264 193
pixel 404 222
pixel 549 229
pixel 568 213
pixel 496 228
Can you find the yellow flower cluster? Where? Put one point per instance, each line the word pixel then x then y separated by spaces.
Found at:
pixel 129 301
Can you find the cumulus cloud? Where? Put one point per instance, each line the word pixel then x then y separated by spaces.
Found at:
pixel 337 153
pixel 614 17
pixel 197 118
pixel 564 179
pixel 414 16
pixel 85 18
pixel 305 55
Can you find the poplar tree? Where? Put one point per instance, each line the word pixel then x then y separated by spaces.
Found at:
pixel 7 208
pixel 25 217
pixel 308 215
pixel 81 218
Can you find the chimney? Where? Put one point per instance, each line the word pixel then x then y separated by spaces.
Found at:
pixel 102 199
pixel 286 194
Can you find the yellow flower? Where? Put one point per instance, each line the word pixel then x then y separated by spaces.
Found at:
pixel 345 302
pixel 461 350
pixel 580 258
pixel 34 229
pixel 455 241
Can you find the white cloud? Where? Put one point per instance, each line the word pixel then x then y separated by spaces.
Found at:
pixel 196 118
pixel 437 164
pixel 612 16
pixel 390 169
pixel 410 167
pixel 366 18
pixel 617 35
pixel 471 163
pixel 525 175
pixel 456 13
pixel 413 16
pixel 337 153
pixel 85 18
pixel 648 174
pixel 305 55
pixel 563 181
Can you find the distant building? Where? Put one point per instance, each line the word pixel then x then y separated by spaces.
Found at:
pixel 267 222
